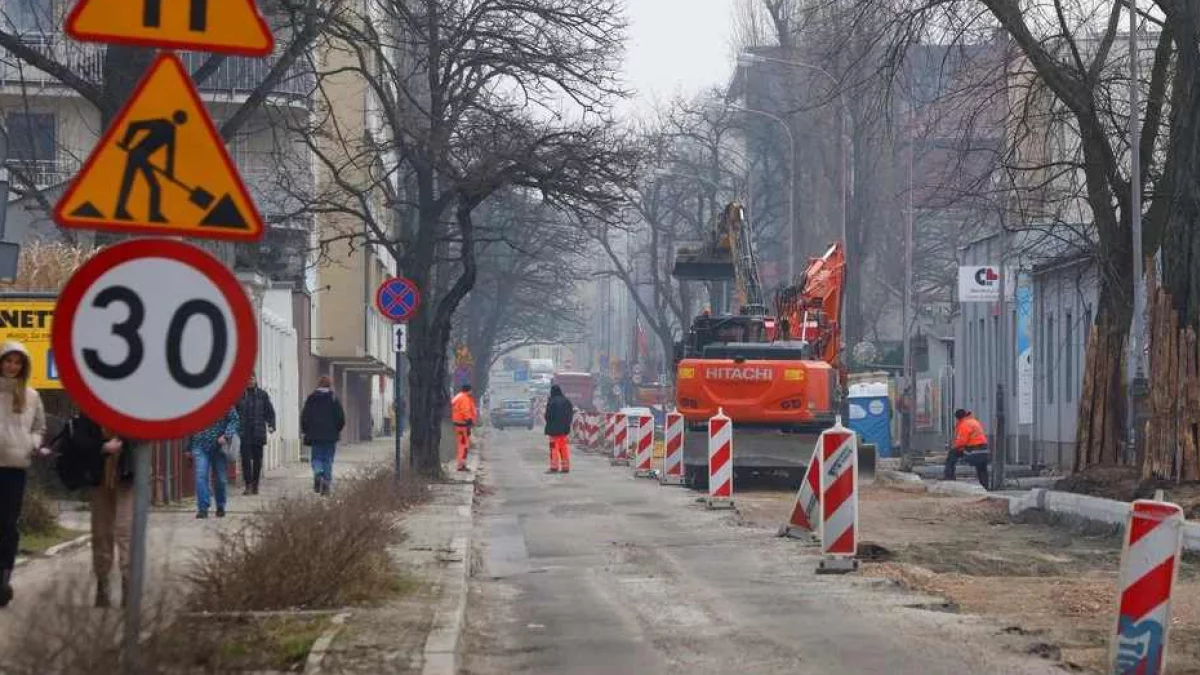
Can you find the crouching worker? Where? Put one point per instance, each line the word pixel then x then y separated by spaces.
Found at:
pixel 970 446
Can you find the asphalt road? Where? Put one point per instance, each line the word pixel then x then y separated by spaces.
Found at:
pixel 600 573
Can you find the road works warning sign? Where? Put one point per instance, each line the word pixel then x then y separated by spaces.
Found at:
pixel 230 26
pixel 161 168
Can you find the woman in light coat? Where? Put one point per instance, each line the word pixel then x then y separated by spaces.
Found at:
pixel 22 426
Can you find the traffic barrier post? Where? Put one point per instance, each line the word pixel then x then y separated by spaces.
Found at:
pixel 838 448
pixel 1149 567
pixel 672 450
pixel 620 441
pixel 803 523
pixel 720 461
pixel 644 444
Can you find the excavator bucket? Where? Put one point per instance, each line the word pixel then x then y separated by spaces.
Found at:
pixel 712 265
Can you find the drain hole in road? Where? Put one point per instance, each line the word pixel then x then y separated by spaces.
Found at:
pixel 871 552
pixel 1045 651
pixel 948 607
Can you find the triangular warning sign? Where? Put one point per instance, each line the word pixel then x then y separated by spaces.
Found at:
pixel 231 26
pixel 161 168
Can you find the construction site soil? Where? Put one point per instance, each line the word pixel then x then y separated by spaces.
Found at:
pixel 1036 577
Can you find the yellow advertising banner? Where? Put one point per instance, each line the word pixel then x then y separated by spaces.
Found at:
pixel 28 321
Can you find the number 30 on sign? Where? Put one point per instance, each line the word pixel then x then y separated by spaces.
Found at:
pixel 154 339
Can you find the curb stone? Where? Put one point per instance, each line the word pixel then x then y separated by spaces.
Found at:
pixel 316 655
pixel 1108 511
pixel 445 636
pixel 65 548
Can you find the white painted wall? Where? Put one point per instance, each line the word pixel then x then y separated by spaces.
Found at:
pixel 279 374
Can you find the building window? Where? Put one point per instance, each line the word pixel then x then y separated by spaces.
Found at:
pixel 30 16
pixel 1049 371
pixel 32 145
pixel 1069 363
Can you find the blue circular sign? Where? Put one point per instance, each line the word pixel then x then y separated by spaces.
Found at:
pixel 398 299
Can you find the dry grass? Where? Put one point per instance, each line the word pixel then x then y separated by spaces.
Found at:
pixel 44 266
pixel 308 553
pixel 39 513
pixel 299 553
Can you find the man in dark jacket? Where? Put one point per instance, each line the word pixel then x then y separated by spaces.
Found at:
pixel 111 482
pixel 559 413
pixel 258 419
pixel 321 422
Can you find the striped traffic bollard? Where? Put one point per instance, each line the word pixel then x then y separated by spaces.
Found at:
pixel 620 440
pixel 577 427
pixel 804 521
pixel 593 432
pixel 672 450
pixel 644 447
pixel 1149 565
pixel 720 461
pixel 838 448
pixel 609 430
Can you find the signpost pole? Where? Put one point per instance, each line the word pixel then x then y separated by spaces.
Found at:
pixel 137 559
pixel 398 399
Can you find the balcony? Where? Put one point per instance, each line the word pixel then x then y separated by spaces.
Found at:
pixel 236 77
pixel 43 173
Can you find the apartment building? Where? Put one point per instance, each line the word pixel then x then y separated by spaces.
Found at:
pixel 313 319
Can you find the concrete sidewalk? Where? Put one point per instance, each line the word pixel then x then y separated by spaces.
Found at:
pixel 174 536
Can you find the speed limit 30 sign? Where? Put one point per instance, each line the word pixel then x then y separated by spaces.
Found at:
pixel 154 339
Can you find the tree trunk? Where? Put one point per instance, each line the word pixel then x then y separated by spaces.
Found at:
pixel 1101 421
pixel 427 399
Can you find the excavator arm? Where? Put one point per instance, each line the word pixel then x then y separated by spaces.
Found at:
pixel 812 308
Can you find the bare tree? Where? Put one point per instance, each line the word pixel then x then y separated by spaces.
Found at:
pixel 468 98
pixel 528 266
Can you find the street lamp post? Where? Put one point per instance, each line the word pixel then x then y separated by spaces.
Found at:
pixel 791 224
pixel 846 147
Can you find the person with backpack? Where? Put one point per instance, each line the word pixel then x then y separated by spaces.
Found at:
pixel 22 426
pixel 208 450
pixel 321 422
pixel 559 413
pixel 91 456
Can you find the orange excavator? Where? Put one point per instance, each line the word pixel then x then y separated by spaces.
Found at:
pixel 776 375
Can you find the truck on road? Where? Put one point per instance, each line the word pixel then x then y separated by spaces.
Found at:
pixel 580 388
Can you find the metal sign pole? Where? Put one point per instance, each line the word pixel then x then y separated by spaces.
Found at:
pixel 398 400
pixel 137 558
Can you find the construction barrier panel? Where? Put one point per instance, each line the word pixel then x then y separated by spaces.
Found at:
pixel 609 428
pixel 1149 566
pixel 593 432
pixel 673 431
pixel 803 523
pixel 720 461
pixel 620 441
pixel 839 499
pixel 644 444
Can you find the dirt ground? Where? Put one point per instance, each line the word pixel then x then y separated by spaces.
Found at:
pixel 1034 577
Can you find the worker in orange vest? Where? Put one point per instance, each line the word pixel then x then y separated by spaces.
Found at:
pixel 464 415
pixel 970 445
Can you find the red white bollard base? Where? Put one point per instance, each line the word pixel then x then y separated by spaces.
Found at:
pixel 620 441
pixel 672 473
pixel 838 450
pixel 720 462
pixel 1150 563
pixel 803 523
pixel 644 448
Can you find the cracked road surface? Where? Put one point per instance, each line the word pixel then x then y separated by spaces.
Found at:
pixel 600 573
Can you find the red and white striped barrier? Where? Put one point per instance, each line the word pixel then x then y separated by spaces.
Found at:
pixel 720 461
pixel 644 447
pixel 1149 566
pixel 838 448
pixel 620 441
pixel 610 425
pixel 805 515
pixel 593 432
pixel 577 427
pixel 672 450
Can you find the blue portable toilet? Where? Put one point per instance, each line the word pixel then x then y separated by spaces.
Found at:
pixel 871 415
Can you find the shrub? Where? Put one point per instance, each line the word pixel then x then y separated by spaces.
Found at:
pixel 39 513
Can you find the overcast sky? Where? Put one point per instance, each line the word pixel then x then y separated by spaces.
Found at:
pixel 676 46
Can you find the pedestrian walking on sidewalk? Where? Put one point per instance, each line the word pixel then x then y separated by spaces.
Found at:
pixel 559 413
pixel 111 498
pixel 22 427
pixel 321 423
pixel 464 414
pixel 257 417
pixel 970 445
pixel 208 449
